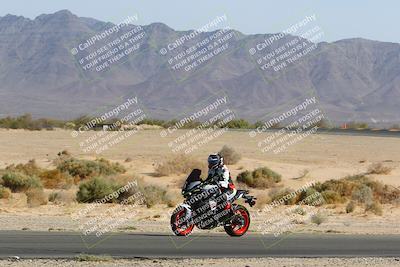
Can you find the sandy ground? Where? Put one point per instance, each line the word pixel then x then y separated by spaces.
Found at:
pixel 323 156
pixel 288 262
pixel 61 218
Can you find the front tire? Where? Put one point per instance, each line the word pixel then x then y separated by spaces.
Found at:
pixel 236 228
pixel 178 225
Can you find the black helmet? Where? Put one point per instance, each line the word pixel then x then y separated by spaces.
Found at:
pixel 214 161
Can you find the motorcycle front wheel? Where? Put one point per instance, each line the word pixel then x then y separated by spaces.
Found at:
pixel 179 225
pixel 240 221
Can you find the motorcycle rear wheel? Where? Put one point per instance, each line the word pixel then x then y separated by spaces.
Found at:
pixel 233 229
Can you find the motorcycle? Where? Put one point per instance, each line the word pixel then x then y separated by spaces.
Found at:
pixel 206 207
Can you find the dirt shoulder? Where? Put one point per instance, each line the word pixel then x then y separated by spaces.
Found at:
pixel 60 218
pixel 228 262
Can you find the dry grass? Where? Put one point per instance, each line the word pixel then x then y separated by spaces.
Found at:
pixel 30 168
pixel 262 200
pixel 374 207
pixel 357 187
pixel 379 168
pixel 259 178
pixel 363 194
pixel 351 206
pixel 277 194
pixel 85 169
pixel 36 197
pixel 20 182
pixel 63 196
pixel 178 165
pixel 96 188
pixel 55 179
pixel 230 155
pixel 299 210
pixel 303 174
pixel 332 197
pixel 157 195
pixel 94 258
pixel 5 193
pixel 318 218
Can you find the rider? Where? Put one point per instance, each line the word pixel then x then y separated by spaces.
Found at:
pixel 219 174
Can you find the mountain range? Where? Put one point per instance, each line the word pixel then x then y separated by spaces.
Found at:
pixel 353 79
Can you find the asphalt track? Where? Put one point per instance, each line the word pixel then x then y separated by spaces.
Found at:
pixel 148 245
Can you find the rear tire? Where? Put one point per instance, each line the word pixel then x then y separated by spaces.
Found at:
pixel 239 230
pixel 178 227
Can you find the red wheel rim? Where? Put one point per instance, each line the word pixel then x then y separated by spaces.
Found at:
pixel 244 228
pixel 182 231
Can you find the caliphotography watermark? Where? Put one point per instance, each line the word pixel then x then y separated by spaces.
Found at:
pixel 193 50
pixel 282 50
pixel 281 130
pixel 277 218
pixel 199 127
pixel 102 217
pixel 288 211
pixel 112 46
pixel 205 210
pixel 100 133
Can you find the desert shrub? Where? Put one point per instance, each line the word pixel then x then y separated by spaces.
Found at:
pixel 332 197
pixel 36 197
pixel 357 125
pixel 69 125
pixel 26 122
pixel 30 168
pixel 390 194
pixel 64 153
pixel 62 156
pixel 342 187
pixel 230 155
pixel 318 218
pixel 363 194
pixel 62 196
pixel 19 182
pixel 154 195
pixel 96 189
pixel 259 178
pixel 308 196
pixel 178 165
pixel 379 168
pixel 360 188
pixel 374 207
pixel 143 193
pixel 262 200
pixel 54 197
pixel 239 124
pixel 283 196
pixel 245 177
pixel 5 192
pixel 351 206
pixel 172 199
pixel 89 168
pixel 300 210
pixel 266 173
pixel 56 179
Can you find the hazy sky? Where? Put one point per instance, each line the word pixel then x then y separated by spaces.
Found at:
pixel 377 20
